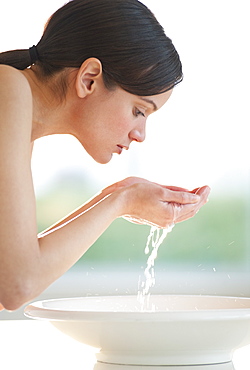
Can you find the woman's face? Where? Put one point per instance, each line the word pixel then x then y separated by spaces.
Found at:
pixel 108 121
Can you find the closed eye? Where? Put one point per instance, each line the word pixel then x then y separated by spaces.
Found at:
pixel 137 113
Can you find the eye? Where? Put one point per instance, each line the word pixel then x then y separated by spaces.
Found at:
pixel 137 113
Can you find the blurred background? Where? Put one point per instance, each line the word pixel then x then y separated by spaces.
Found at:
pixel 200 137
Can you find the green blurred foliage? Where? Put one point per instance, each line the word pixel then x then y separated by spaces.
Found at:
pixel 217 234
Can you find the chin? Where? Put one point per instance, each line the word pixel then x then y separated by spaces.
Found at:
pixel 102 160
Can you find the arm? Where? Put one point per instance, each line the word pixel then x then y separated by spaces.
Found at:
pixel 29 264
pixel 18 213
pixel 202 192
pixel 93 201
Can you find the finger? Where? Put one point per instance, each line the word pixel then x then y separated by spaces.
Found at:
pixel 203 189
pixel 195 190
pixel 175 188
pixel 184 212
pixel 187 211
pixel 180 197
pixel 203 192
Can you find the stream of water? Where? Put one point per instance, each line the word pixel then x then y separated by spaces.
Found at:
pixel 154 240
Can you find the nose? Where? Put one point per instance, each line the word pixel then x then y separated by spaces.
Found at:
pixel 138 134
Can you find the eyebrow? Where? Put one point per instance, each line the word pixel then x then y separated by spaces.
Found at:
pixel 150 102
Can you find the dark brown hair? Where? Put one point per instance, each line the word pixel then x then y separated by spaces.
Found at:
pixel 124 35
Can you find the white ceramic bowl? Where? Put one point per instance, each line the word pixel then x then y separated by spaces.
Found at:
pixel 183 330
pixel 223 366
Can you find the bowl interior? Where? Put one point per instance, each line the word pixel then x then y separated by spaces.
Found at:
pixel 156 303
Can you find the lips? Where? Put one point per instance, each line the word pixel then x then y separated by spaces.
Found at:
pixel 121 148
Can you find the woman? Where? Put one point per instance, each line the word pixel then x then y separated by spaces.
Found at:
pixel 100 69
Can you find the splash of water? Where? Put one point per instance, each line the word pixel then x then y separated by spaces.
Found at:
pixel 154 240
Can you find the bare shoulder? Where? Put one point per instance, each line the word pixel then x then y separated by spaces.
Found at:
pixel 15 97
pixel 12 81
pixel 8 73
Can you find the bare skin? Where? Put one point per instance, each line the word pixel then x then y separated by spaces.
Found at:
pixel 31 109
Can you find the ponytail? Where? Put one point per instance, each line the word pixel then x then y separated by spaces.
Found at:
pixel 19 59
pixel 125 36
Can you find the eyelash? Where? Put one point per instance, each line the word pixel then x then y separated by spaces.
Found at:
pixel 138 113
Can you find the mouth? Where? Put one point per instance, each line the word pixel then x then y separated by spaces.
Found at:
pixel 121 148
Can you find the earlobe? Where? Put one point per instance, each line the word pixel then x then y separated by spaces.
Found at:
pixel 89 73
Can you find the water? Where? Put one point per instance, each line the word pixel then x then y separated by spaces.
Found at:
pixel 155 239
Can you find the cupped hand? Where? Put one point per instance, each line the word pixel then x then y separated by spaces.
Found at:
pixel 153 204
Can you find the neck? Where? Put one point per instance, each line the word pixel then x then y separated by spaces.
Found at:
pixel 49 112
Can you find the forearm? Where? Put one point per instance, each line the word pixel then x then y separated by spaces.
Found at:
pixel 61 247
pixel 90 203
pixel 46 259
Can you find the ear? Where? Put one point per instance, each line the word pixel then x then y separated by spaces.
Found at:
pixel 89 73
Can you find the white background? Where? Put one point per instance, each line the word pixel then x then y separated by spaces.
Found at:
pixel 201 136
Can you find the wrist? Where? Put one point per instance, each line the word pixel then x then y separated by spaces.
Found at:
pixel 120 201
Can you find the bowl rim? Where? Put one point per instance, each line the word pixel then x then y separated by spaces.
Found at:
pixel 37 310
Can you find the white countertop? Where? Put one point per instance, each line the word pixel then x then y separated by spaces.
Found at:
pixel 37 345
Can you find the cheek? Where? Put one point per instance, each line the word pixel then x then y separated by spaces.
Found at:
pixel 124 122
pixel 117 124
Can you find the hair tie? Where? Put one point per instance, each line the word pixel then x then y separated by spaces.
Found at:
pixel 33 54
